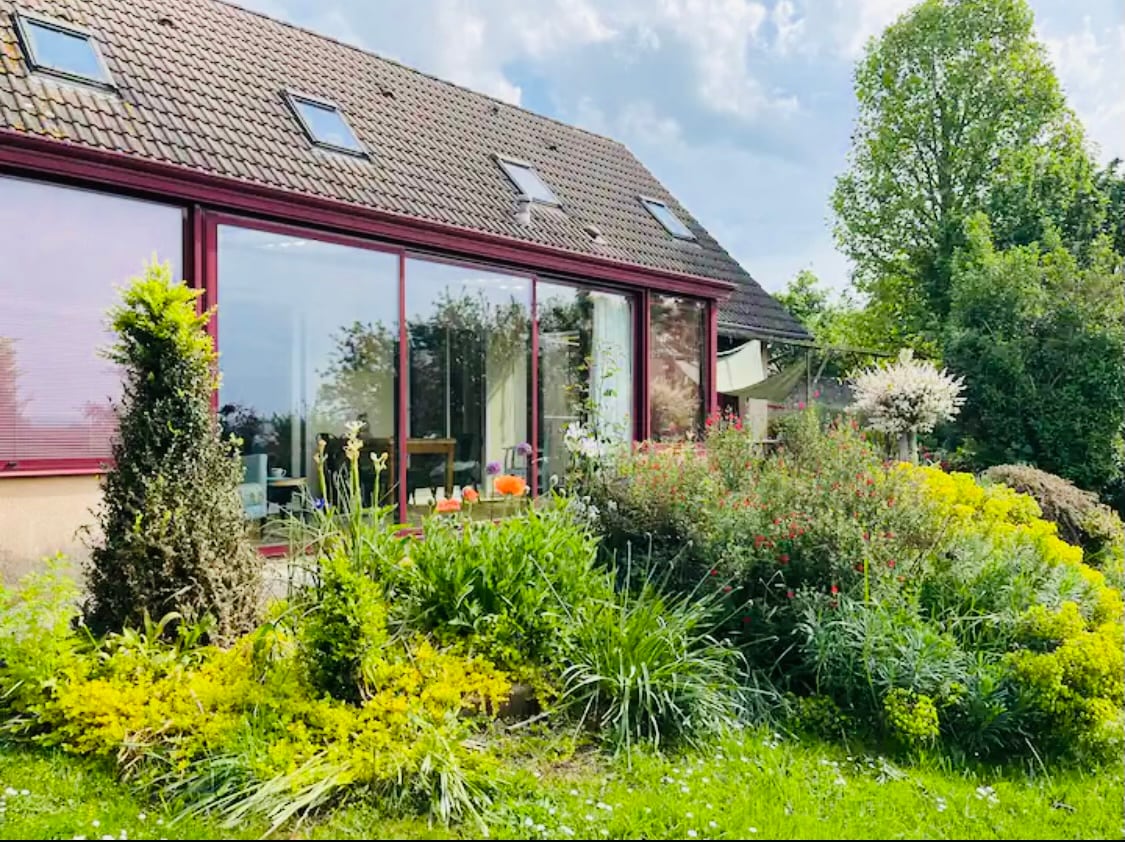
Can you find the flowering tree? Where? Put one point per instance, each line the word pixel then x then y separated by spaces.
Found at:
pixel 905 398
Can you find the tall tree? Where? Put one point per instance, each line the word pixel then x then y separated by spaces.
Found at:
pixel 1040 342
pixel 959 111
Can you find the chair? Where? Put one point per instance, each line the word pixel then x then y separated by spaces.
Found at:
pixel 252 490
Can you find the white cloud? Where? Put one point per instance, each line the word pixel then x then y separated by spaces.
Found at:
pixel 1089 64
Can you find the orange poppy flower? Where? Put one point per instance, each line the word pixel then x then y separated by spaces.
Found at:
pixel 510 485
pixel 448 506
pixel 470 495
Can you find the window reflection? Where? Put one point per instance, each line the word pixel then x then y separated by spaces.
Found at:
pixel 308 333
pixel 585 368
pixel 57 280
pixel 469 333
pixel 676 367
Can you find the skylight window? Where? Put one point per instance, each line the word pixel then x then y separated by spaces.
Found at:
pixel 672 223
pixel 60 49
pixel 528 181
pixel 325 124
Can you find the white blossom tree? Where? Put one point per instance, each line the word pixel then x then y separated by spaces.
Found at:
pixel 905 398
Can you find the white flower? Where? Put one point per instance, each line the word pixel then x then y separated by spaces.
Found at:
pixel 528 822
pixel 907 396
pixel 10 792
pixel 96 823
pixel 752 829
pixel 940 804
pixel 692 834
pixel 141 817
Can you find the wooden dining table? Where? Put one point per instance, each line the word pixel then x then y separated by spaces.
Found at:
pixel 444 447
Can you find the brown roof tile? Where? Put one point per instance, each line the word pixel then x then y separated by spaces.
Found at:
pixel 206 92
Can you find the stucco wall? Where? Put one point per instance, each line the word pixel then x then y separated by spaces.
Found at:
pixel 40 516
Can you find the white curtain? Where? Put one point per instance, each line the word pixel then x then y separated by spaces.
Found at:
pixel 505 410
pixel 611 370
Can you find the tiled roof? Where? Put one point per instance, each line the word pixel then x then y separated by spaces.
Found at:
pixel 200 82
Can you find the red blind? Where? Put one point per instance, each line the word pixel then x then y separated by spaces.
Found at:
pixel 64 254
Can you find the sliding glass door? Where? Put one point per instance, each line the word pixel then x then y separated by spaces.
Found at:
pixel 585 368
pixel 308 339
pixel 469 382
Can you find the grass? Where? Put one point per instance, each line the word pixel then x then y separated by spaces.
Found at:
pixel 752 786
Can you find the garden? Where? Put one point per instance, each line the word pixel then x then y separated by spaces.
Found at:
pixel 704 640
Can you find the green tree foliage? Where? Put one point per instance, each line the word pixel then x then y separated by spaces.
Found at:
pixel 1040 343
pixel 959 111
pixel 172 535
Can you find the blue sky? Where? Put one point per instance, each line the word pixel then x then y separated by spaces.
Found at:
pixel 743 108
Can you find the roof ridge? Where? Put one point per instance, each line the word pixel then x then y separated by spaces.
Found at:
pixel 234 4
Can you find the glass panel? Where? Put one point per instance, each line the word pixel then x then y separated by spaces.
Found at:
pixel 585 369
pixel 469 382
pixel 308 338
pixel 64 51
pixel 529 182
pixel 57 280
pixel 327 125
pixel 669 220
pixel 676 367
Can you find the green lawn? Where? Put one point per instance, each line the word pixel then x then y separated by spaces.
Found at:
pixel 749 787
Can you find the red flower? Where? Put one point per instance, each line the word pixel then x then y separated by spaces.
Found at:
pixel 448 506
pixel 726 589
pixel 746 619
pixel 714 572
pixel 891 563
pixel 470 494
pixel 866 536
pixel 783 558
pixel 790 594
pixel 509 485
pixel 890 535
pixel 859 567
pixel 834 589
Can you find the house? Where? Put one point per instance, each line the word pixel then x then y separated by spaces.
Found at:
pixel 464 276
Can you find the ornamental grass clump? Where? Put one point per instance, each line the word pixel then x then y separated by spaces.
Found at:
pixel 172 536
pixel 906 398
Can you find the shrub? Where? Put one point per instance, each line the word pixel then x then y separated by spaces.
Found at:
pixel 37 644
pixel 506 590
pixel 911 717
pixel 343 630
pixel 172 531
pixel 847 578
pixel 1081 519
pixel 647 670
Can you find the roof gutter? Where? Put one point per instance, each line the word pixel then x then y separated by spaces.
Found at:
pixel 30 154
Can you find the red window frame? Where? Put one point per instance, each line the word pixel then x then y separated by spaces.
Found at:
pixel 95 466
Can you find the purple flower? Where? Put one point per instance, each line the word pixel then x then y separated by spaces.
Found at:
pixel 523 449
pixel 319 503
pixel 493 468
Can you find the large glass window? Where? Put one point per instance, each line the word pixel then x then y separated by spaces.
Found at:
pixel 308 338
pixel 676 354
pixel 63 254
pixel 585 368
pixel 469 332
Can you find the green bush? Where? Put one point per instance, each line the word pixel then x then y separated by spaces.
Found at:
pixel 343 630
pixel 645 669
pixel 1081 518
pixel 850 578
pixel 504 590
pixel 172 532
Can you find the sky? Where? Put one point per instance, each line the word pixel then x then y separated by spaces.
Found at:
pixel 742 108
